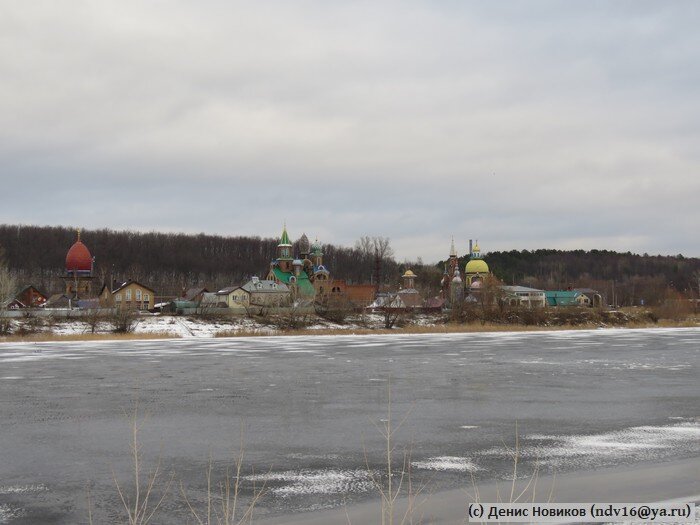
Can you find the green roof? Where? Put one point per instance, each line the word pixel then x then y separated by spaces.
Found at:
pixel 303 282
pixel 285 237
pixel 561 297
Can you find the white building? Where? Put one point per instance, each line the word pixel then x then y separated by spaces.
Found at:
pixel 524 296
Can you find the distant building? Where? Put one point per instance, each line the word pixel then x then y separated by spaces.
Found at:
pixel 407 298
pixel 195 294
pixel 590 297
pixel 297 273
pixel 79 271
pixel 29 297
pixel 306 276
pixel 408 294
pixel 59 300
pixel 267 293
pixel 476 268
pixel 563 298
pixel 234 297
pixel 524 296
pixel 130 295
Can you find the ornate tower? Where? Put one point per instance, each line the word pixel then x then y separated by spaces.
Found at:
pixel 79 269
pixel 409 279
pixel 476 269
pixel 304 247
pixel 316 254
pixel 451 265
pixel 456 289
pixel 284 252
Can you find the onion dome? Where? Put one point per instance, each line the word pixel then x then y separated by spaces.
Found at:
pixel 304 246
pixel 456 278
pixel 78 258
pixel 316 248
pixel 476 266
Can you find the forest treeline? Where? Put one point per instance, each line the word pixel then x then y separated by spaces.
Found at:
pixel 171 262
pixel 167 262
pixel 626 279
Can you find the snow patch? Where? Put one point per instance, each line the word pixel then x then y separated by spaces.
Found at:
pixel 305 482
pixel 23 489
pixel 447 463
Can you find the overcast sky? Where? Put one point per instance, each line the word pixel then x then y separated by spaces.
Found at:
pixel 523 124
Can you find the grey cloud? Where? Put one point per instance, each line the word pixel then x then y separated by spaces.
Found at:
pixel 538 124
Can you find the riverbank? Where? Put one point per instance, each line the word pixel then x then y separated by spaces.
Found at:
pixel 170 327
pixel 643 483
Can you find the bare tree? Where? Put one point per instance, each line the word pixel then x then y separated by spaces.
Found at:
pixel 8 282
pixel 378 249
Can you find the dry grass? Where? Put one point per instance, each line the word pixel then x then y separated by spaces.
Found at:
pixel 51 337
pixel 413 329
pixel 456 328
pixel 223 507
pixel 517 492
pixel 390 491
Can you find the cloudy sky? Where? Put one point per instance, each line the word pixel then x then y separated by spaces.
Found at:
pixel 526 124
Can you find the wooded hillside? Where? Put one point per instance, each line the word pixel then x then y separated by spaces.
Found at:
pixel 631 278
pixel 168 262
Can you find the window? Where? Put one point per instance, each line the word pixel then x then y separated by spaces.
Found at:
pixel 138 295
pixel 146 297
pixel 119 298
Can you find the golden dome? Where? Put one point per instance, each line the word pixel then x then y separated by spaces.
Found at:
pixel 409 273
pixel 476 266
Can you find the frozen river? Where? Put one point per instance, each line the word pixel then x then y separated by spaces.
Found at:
pixel 306 407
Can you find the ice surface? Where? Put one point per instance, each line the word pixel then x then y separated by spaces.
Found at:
pixel 448 463
pixel 305 482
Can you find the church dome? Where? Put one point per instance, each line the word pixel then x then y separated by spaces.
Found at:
pixel 304 246
pixel 316 248
pixel 476 266
pixel 78 258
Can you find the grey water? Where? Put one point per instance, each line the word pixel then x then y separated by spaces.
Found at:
pixel 309 411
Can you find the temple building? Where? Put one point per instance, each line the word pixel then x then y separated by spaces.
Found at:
pixel 455 286
pixel 409 296
pixel 476 269
pixel 80 266
pixel 448 278
pixel 305 275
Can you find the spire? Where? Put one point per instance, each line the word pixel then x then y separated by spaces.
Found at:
pixel 78 234
pixel 453 251
pixel 476 253
pixel 284 241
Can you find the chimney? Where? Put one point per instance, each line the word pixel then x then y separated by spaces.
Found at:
pixel 470 248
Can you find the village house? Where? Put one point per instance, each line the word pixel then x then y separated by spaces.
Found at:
pixel 563 298
pixel 31 297
pixel 130 295
pixel 266 293
pixel 524 296
pixel 234 297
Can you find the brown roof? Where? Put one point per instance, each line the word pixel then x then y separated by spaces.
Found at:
pixel 194 292
pixel 127 283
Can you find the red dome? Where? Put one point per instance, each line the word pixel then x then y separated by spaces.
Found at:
pixel 78 258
